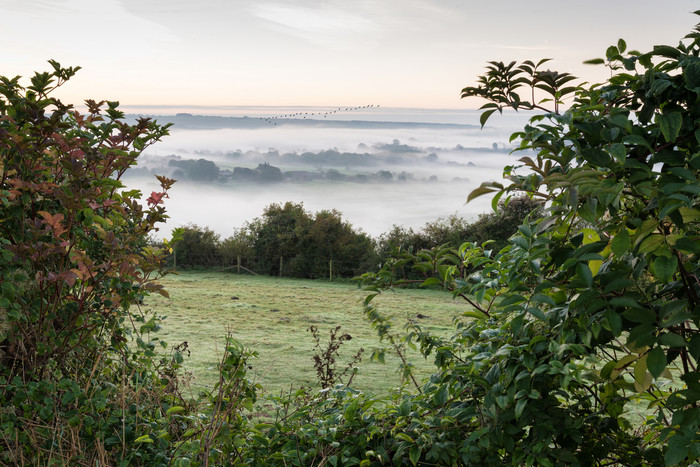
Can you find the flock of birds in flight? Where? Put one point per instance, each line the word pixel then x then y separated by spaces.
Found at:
pixel 271 120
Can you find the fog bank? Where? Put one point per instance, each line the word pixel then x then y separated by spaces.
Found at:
pixel 444 163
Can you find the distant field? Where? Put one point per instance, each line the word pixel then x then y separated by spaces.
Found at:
pixel 272 317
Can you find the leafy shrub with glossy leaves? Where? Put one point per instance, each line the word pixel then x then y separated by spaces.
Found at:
pixel 582 339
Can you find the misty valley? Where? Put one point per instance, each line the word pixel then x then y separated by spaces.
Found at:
pixel 376 173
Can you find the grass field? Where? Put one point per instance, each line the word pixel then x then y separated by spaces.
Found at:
pixel 272 315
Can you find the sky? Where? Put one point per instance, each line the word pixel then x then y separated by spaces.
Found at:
pixel 396 53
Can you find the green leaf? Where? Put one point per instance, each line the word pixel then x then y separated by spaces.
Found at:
pixel 666 51
pixel 485 116
pixel 659 86
pixel 486 187
pixel 175 409
pixel 688 245
pixel 614 321
pixel 519 407
pixel 640 370
pixel 672 340
pixel 651 243
pixel 537 313
pixel 596 156
pixel 656 361
pixel 691 75
pixel 636 140
pixel 694 347
pixel 663 268
pixel 676 450
pixel 440 396
pixel 670 125
pixel 430 281
pixel 143 439
pixel 475 314
pixel 620 245
pixel 611 52
pixel 414 454
pixel 404 437
pixel 621 45
pixel 606 371
pixel 690 215
pixel 618 152
pixel 584 273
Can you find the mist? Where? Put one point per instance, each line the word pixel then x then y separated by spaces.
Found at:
pixel 433 167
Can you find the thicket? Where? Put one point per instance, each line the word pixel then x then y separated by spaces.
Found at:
pixel 579 345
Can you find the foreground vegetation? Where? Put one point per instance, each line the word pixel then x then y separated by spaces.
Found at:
pixel 590 310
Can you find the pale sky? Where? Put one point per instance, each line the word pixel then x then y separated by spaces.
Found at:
pixel 400 53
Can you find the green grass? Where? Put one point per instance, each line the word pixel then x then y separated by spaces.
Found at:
pixel 272 315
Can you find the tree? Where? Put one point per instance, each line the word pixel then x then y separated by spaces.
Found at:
pixel 329 238
pixel 269 173
pixel 197 247
pixel 200 170
pixel 278 234
pixel 304 243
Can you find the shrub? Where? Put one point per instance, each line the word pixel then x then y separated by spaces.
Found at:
pixel 589 313
pixel 73 262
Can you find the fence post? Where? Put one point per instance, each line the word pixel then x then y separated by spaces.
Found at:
pixel 238 264
pixel 281 260
pixel 330 268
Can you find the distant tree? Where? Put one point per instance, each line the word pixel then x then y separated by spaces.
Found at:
pixel 385 175
pixel 401 238
pixel 305 243
pixel 278 234
pixel 200 170
pixel 203 170
pixel 269 173
pixel 329 238
pixel 244 173
pixel 334 175
pixel 240 245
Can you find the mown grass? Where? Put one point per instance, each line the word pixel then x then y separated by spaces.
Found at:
pixel 272 316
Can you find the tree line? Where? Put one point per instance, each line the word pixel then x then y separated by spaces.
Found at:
pixel 288 240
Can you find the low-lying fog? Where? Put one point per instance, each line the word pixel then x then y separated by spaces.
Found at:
pixel 385 174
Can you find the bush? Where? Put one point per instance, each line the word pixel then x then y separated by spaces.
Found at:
pixel 73 262
pixel 589 313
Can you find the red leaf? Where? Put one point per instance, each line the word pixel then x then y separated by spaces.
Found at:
pixel 155 198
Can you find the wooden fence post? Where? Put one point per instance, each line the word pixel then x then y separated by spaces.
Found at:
pixel 281 260
pixel 330 268
pixel 238 264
